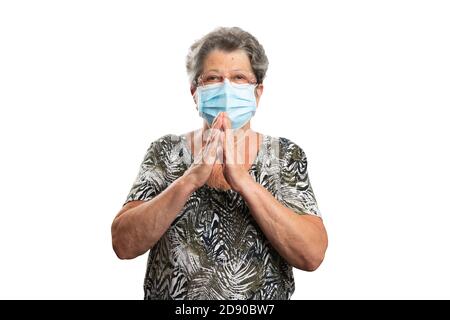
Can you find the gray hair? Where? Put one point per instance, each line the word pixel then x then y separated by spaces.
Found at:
pixel 227 39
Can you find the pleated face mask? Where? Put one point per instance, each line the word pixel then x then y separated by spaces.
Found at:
pixel 237 100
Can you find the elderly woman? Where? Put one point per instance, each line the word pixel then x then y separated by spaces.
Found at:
pixel 225 211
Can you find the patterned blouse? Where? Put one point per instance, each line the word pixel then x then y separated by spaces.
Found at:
pixel 214 249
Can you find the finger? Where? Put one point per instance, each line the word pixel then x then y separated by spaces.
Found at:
pixel 211 150
pixel 226 122
pixel 228 145
pixel 212 135
pixel 223 146
pixel 209 134
pixel 217 123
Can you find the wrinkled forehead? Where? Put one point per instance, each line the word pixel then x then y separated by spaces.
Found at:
pixel 224 61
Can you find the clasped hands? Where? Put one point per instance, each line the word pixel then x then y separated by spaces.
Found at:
pixel 220 143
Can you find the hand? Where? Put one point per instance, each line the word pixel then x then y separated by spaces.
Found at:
pixel 200 170
pixel 234 172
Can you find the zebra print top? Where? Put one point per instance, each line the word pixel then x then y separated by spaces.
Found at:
pixel 214 249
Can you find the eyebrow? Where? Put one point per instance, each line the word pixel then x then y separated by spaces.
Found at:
pixel 217 70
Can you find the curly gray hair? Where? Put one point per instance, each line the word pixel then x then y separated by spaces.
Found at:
pixel 227 39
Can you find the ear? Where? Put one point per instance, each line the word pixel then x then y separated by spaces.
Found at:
pixel 258 92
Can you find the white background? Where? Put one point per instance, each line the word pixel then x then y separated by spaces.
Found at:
pixel 361 86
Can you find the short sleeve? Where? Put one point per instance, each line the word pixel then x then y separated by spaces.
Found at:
pixel 295 190
pixel 152 176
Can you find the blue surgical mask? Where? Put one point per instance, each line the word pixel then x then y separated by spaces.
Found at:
pixel 237 100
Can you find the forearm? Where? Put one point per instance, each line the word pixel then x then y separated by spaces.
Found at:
pixel 138 229
pixel 300 239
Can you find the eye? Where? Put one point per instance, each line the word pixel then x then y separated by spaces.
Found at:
pixel 212 78
pixel 240 78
